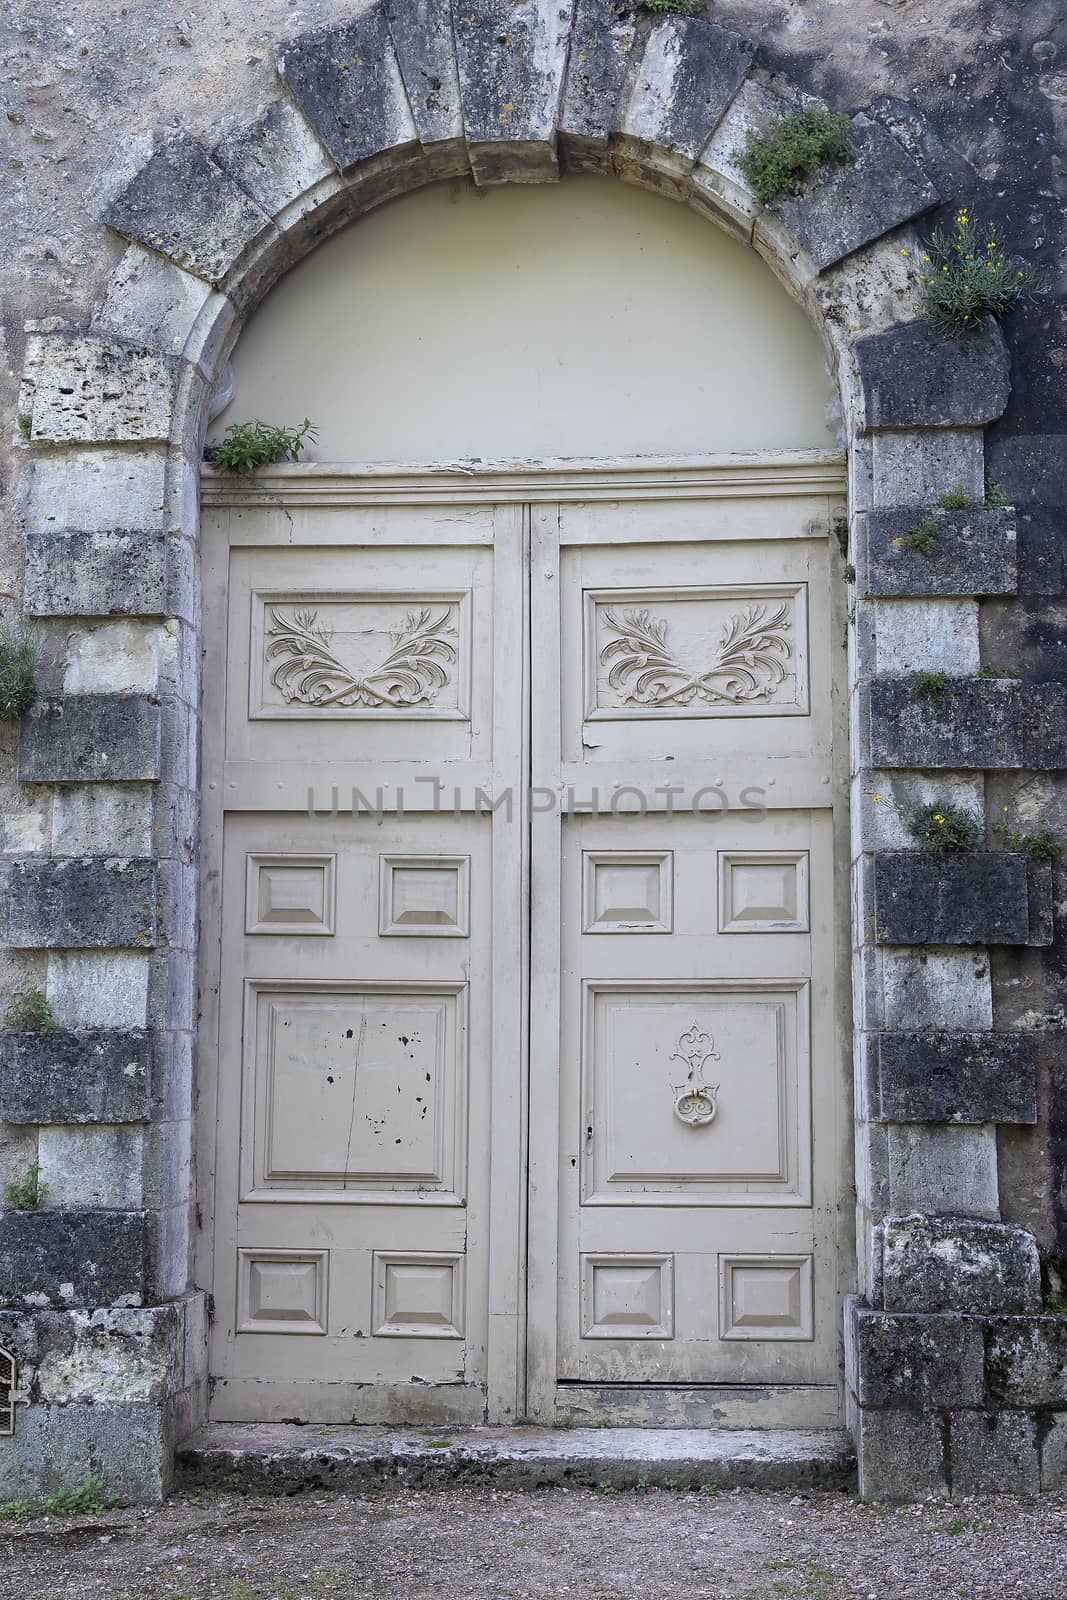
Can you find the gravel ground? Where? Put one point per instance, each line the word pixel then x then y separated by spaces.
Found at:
pixel 480 1544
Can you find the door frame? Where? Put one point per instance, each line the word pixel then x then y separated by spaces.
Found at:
pixel 521 1350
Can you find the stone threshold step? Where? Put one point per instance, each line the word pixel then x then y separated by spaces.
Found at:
pixel 283 1458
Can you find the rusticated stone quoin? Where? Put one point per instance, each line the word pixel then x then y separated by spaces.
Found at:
pixel 915 376
pixel 982 897
pixel 120 572
pixel 88 903
pixel 917 1361
pixel 77 387
pixel 1026 1361
pixel 931 1076
pixel 92 1075
pixel 975 553
pixel 72 1258
pixel 681 83
pixel 183 205
pixel 973 722
pixel 958 1264
pixel 346 80
pixel 91 738
pixel 848 205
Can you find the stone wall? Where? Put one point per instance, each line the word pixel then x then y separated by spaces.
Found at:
pixel 956 1373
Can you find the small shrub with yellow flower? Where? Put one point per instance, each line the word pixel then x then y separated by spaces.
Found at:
pixel 967 277
pixel 947 830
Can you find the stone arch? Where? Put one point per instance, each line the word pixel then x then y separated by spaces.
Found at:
pixel 111 419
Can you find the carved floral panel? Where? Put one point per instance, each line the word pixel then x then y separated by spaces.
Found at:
pixel 731 650
pixel 360 655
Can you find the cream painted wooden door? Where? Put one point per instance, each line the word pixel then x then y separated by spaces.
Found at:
pixel 684 915
pixel 519 865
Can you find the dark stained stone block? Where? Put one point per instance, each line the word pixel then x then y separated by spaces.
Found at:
pixel 88 903
pixel 915 376
pixel 117 572
pixel 92 1075
pixel 602 37
pixel 931 1076
pixel 421 31
pixel 994 1452
pixel 959 1264
pixel 72 1258
pixel 975 553
pixel 1026 1361
pixel 91 738
pixel 1030 468
pixel 1004 725
pixel 981 897
pixel 681 83
pixel 849 205
pixel 346 80
pixel 916 1361
pixel 184 206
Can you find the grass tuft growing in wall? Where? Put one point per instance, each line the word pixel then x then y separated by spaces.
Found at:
pixel 29 1012
pixel 945 829
pixel 20 655
pixel 778 162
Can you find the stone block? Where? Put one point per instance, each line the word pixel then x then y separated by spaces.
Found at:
pixel 902 1455
pixel 993 1452
pixel 981 897
pixel 964 1077
pixel 682 78
pixel 934 989
pixel 912 466
pixel 1026 1361
pixel 116 1353
pixel 87 738
pixel 850 205
pixel 918 636
pixel 184 206
pixel 94 1167
pixel 958 1264
pixel 128 1446
pixel 1001 724
pixel 346 80
pixel 975 553
pixel 602 37
pixel 70 1076
pixel 1030 468
pixel 97 903
pixel 99 989
pixel 421 31
pixel 77 388
pixel 276 158
pixel 915 376
pixel 511 62
pixel 72 1258
pixel 1054 1454
pixel 118 572
pixel 943 1170
pixel 916 1362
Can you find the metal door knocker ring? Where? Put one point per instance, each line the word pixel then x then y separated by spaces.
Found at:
pixel 695 1101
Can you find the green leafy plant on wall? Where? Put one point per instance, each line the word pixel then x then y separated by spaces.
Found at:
pixel 29 1012
pixel 922 538
pixel 663 8
pixel 20 656
pixel 968 277
pixel 945 829
pixel 929 684
pixel 248 445
pixel 1041 845
pixel 777 162
pixel 27 1193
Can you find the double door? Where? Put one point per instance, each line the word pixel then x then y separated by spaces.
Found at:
pixel 521 1041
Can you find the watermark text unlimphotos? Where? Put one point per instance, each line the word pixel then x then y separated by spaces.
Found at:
pixel 623 799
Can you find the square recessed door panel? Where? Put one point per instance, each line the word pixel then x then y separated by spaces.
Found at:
pixel 765 1297
pixel 627 1297
pixel 356 1089
pixel 699 1093
pixel 418 1296
pixel 627 891
pixel 763 891
pixel 425 897
pixel 282 1291
pixel 287 894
